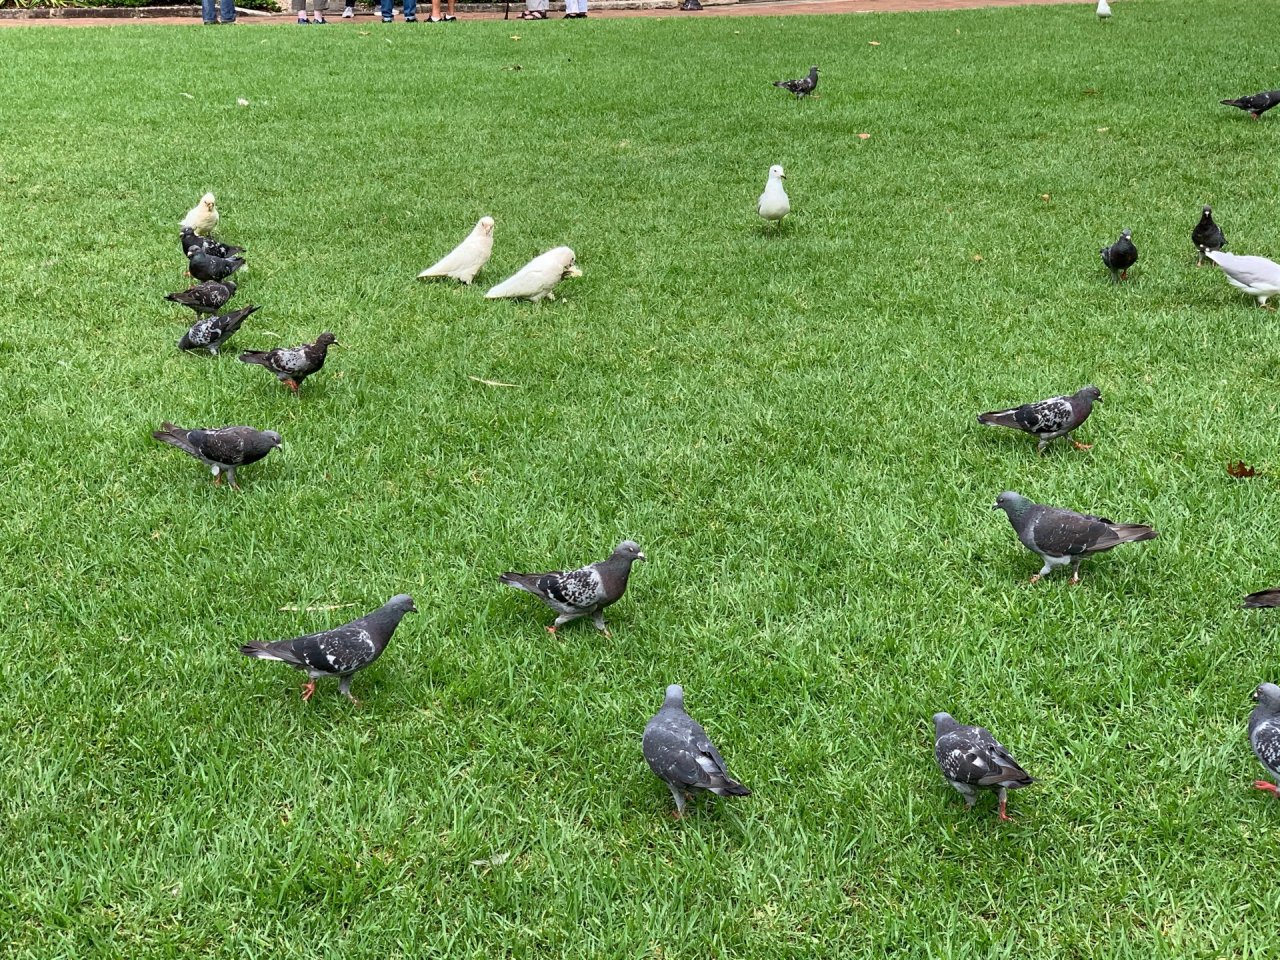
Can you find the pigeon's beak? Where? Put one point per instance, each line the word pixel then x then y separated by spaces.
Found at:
pixel 412 608
pixel 995 506
pixel 641 556
pixel 338 344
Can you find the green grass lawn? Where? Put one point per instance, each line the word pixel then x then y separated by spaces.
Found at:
pixel 783 419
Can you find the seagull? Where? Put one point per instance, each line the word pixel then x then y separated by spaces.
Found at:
pixel 1104 10
pixel 1256 276
pixel 773 203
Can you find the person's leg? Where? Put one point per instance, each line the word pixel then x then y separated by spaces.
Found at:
pixel 228 11
pixel 300 8
pixel 318 8
pixel 386 11
pixel 411 10
pixel 348 11
pixel 209 11
pixel 435 11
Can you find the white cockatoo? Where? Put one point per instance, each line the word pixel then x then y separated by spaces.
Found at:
pixel 536 278
pixel 203 217
pixel 1104 9
pixel 773 203
pixel 464 261
pixel 1256 276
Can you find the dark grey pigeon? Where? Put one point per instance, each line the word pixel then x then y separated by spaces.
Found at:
pixel 802 87
pixel 207 297
pixel 682 756
pixel 1264 732
pixel 1262 599
pixel 582 592
pixel 972 759
pixel 341 652
pixel 1120 256
pixel 221 448
pixel 1046 420
pixel 1256 104
pixel 192 242
pixel 1064 536
pixel 205 266
pixel 1207 235
pixel 213 332
pixel 292 365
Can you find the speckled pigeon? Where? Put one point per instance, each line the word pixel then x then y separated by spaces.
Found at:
pixel 205 266
pixel 193 242
pixel 221 448
pixel 1256 276
pixel 972 759
pixel 682 756
pixel 1264 732
pixel 1120 256
pixel 802 87
pixel 1256 104
pixel 1064 536
pixel 292 365
pixel 207 297
pixel 213 332
pixel 1262 599
pixel 582 592
pixel 1046 420
pixel 340 652
pixel 1206 235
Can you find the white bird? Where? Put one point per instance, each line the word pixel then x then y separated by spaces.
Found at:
pixel 773 203
pixel 536 278
pixel 203 217
pixel 1256 276
pixel 464 261
pixel 1104 9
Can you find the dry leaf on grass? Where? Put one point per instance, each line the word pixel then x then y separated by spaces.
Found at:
pixel 491 383
pixel 497 860
pixel 864 136
pixel 1240 470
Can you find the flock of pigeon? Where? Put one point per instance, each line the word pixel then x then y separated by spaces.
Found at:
pixel 675 745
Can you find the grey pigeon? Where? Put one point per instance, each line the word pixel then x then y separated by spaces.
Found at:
pixel 1046 420
pixel 972 759
pixel 207 297
pixel 192 241
pixel 1256 104
pixel 222 449
pixel 1262 599
pixel 682 756
pixel 205 266
pixel 340 652
pixel 802 87
pixel 292 365
pixel 582 592
pixel 1207 235
pixel 1064 536
pixel 1256 276
pixel 1120 256
pixel 213 332
pixel 1264 732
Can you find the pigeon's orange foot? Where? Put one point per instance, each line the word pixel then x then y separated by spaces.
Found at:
pixel 1075 578
pixel 552 629
pixel 233 485
pixel 1035 578
pixel 354 701
pixel 1124 274
pixel 1267 785
pixel 607 634
pixel 307 690
pixel 1081 446
pixel 1005 817
pixel 292 385
pixel 677 815
pixel 217 480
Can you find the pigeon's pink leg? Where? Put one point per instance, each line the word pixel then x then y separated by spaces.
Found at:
pixel 233 485
pixel 677 815
pixel 308 689
pixel 552 629
pixel 1124 274
pixel 1035 578
pixel 291 384
pixel 1080 446
pixel 1075 577
pixel 217 480
pixel 1267 786
pixel 1004 816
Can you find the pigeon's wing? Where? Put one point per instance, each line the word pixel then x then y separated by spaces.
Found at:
pixel 224 445
pixel 1061 533
pixel 340 650
pixel 580 589
pixel 971 755
pixel 675 748
pixel 1044 416
pixel 1264 737
pixel 202 333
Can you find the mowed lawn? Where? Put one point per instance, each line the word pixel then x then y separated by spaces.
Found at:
pixel 784 420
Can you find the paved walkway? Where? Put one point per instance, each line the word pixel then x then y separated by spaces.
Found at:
pixel 770 9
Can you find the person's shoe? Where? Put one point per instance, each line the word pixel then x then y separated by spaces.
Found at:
pixel 320 20
pixel 410 19
pixel 435 19
pixel 449 18
pixel 348 13
pixel 387 19
pixel 302 19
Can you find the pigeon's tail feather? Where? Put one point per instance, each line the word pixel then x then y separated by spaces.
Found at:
pixel 174 435
pixel 728 787
pixel 1132 532
pixel 999 418
pixel 1262 599
pixel 254 356
pixel 521 581
pixel 1232 103
pixel 258 648
pixel 270 650
pixel 779 83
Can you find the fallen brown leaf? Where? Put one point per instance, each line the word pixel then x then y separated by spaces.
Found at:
pixel 1240 470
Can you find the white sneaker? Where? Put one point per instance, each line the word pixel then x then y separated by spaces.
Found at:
pixel 348 13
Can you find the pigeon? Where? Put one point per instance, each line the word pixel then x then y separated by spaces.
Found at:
pixel 536 278
pixel 464 261
pixel 292 365
pixel 802 87
pixel 205 266
pixel 1046 420
pixel 1264 732
pixel 203 217
pixel 191 241
pixel 1120 256
pixel 691 5
pixel 582 592
pixel 773 203
pixel 682 756
pixel 1104 10
pixel 213 332
pixel 972 759
pixel 1064 536
pixel 207 297
pixel 1255 103
pixel 221 448
pixel 1256 276
pixel 1262 599
pixel 340 652
pixel 1206 235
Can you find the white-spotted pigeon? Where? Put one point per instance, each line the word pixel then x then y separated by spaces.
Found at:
pixel 341 652
pixel 972 759
pixel 1264 733
pixel 292 365
pixel 193 242
pixel 207 297
pixel 582 592
pixel 1046 420
pixel 222 449
pixel 1120 256
pixel 802 87
pixel 1255 104
pixel 213 332
pixel 682 756
pixel 1064 536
